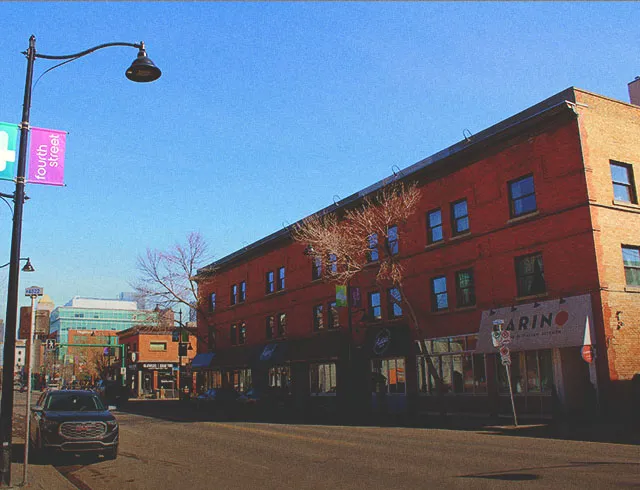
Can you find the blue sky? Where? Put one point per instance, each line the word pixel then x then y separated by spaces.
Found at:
pixel 267 111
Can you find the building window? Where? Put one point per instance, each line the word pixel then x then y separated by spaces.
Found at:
pixel 242 333
pixel 372 252
pixel 212 302
pixel 460 217
pixel 439 297
pixel 333 315
pixel 392 240
pixel 394 300
pixel 434 226
pixel 631 261
pixel 239 379
pixel 243 292
pixel 280 279
pixel 318 318
pixel 270 325
pixel 522 196
pixel 323 379
pixel 390 374
pixel 282 324
pixel 465 288
pixel 316 268
pixel 233 298
pixel 531 372
pixel 233 334
pixel 530 275
pixel 270 283
pixel 333 264
pixel 623 185
pixel 279 377
pixel 453 362
pixel 157 346
pixel 211 338
pixel 375 310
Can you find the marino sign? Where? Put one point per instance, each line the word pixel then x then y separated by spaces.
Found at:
pixel 540 325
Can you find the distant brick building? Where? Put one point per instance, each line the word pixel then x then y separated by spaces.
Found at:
pixel 534 221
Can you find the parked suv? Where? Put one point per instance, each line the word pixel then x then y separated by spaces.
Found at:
pixel 73 421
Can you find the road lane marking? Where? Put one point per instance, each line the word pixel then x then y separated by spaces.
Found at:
pixel 285 435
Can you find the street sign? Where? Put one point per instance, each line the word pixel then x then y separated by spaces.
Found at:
pixel 51 344
pixel 587 353
pixel 34 291
pixel 175 335
pixel 123 371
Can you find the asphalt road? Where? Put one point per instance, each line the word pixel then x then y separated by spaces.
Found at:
pixel 158 453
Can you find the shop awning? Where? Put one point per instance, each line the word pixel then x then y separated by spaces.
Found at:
pixel 390 341
pixel 273 353
pixel 202 361
pixel 539 325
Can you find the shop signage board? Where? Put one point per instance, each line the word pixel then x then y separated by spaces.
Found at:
pixel 587 353
pixel 538 325
pixel 157 365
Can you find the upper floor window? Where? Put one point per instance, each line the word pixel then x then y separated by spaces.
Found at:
pixel 212 302
pixel 158 346
pixel 623 184
pixel 242 333
pixel 372 252
pixel 375 309
pixel 530 275
pixel 270 324
pixel 460 217
pixel 631 260
pixel 392 240
pixel 316 268
pixel 395 303
pixel 233 334
pixel 434 226
pixel 318 318
pixel 270 286
pixel 522 196
pixel 332 266
pixel 333 316
pixel 439 296
pixel 282 324
pixel 465 288
pixel 233 299
pixel 280 285
pixel 243 292
pixel 211 338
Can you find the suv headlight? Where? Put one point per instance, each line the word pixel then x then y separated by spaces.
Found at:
pixel 112 425
pixel 49 424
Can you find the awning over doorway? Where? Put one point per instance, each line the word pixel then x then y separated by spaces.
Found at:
pixel 202 361
pixel 539 325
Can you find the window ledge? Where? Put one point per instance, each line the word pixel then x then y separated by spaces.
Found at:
pixel 465 308
pixel 632 289
pixel 524 217
pixel 532 297
pixel 441 312
pixel 625 204
pixel 434 245
pixel 461 236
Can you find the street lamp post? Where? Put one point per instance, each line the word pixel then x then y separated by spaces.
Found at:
pixel 141 70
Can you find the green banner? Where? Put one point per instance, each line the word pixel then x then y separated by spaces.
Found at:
pixel 341 295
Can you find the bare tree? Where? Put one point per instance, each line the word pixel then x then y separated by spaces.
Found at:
pixel 167 278
pixel 348 239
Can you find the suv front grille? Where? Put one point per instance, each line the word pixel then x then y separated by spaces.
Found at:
pixel 83 430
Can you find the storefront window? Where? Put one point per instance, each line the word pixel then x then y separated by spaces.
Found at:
pixel 322 378
pixel 389 375
pixel 279 376
pixel 453 361
pixel 531 372
pixel 239 379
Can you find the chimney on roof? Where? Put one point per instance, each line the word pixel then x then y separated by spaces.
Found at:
pixel 634 91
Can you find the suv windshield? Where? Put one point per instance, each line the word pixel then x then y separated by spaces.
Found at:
pixel 73 402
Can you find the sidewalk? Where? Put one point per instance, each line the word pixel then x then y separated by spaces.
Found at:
pixel 39 476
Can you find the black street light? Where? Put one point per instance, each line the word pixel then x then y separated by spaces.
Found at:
pixel 141 70
pixel 27 267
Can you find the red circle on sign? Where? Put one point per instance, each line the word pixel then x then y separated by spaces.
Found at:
pixel 587 353
pixel 562 317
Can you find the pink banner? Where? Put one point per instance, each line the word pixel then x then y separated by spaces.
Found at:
pixel 46 156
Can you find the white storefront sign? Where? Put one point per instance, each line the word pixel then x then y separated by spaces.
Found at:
pixel 539 325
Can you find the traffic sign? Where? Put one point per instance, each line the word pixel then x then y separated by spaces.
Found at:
pixel 51 344
pixel 34 291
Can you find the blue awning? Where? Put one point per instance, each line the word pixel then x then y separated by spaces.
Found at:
pixel 202 360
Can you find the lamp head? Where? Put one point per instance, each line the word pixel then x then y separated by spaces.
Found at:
pixel 142 69
pixel 28 267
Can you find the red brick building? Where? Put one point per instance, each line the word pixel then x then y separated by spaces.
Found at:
pixel 534 221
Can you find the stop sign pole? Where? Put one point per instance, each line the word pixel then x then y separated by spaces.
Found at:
pixel 501 339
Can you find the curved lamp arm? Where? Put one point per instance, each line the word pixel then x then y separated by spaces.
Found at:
pixel 86 51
